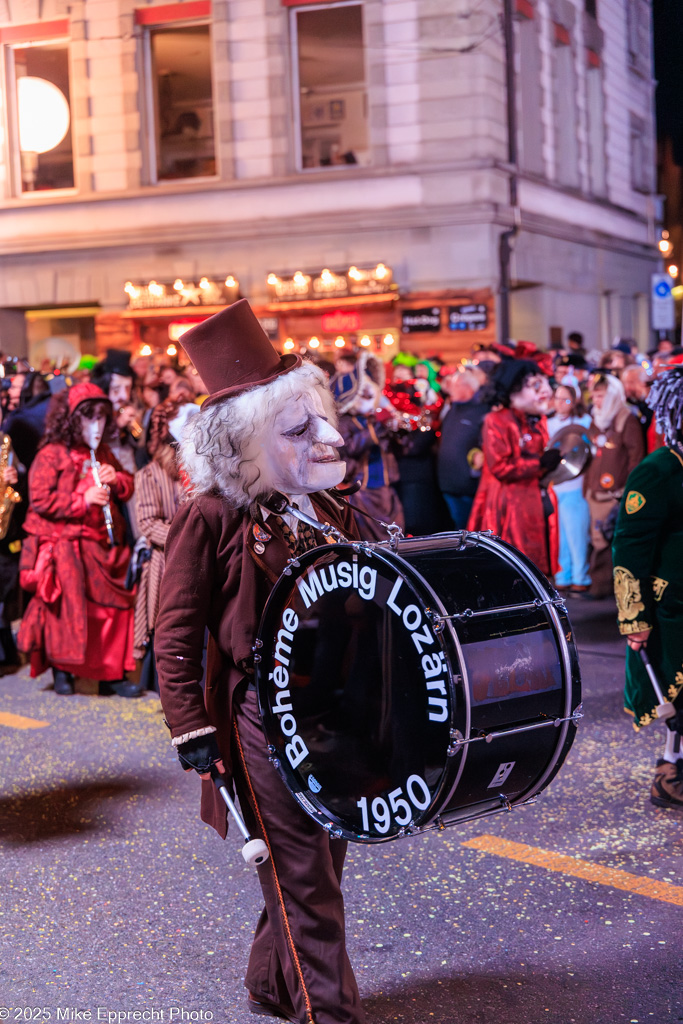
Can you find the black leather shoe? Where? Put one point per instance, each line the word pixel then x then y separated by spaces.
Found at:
pixel 64 682
pixel 266 1009
pixel 124 688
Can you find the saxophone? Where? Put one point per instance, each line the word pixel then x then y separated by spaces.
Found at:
pixel 8 496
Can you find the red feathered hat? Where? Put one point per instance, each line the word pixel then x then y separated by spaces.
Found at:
pixel 232 353
pixel 85 392
pixel 527 350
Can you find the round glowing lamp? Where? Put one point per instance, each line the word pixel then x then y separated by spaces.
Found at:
pixel 171 350
pixel 339 342
pixel 366 341
pixel 43 115
pixel 288 345
pixel 145 350
pixel 388 339
pixel 672 270
pixel 314 342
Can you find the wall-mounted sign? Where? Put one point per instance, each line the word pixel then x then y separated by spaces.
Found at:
pixel 340 321
pixel 270 325
pixel 472 317
pixel 180 293
pixel 330 284
pixel 416 321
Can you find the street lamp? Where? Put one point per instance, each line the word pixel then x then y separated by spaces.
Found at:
pixel 43 122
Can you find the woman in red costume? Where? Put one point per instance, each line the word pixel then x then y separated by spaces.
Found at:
pixel 80 620
pixel 510 500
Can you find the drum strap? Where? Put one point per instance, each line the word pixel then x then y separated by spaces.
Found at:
pixel 278 887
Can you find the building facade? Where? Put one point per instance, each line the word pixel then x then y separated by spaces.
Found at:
pixel 349 166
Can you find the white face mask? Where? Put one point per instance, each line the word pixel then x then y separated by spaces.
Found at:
pixel 298 455
pixel 93 431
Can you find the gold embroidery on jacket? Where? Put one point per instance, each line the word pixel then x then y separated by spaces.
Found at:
pixel 634 502
pixel 658 587
pixel 627 594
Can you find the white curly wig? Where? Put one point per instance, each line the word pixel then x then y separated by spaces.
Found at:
pixel 220 446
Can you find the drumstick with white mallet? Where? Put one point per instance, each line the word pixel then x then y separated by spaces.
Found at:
pixel 665 708
pixel 254 851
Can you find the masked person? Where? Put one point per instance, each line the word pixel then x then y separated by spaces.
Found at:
pixel 648 583
pixel 369 428
pixel 510 500
pixel 267 425
pixel 617 444
pixel 80 620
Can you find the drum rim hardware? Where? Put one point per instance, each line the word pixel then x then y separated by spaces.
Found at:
pixel 403 561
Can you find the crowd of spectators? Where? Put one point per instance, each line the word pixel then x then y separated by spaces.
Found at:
pixel 415 446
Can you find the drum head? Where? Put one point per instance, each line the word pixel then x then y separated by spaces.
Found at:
pixel 355 687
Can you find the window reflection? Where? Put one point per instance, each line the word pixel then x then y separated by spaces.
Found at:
pixel 54 168
pixel 183 102
pixel 332 87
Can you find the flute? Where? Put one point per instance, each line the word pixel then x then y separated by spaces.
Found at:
pixel 108 520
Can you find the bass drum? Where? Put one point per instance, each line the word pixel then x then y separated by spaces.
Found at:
pixel 415 684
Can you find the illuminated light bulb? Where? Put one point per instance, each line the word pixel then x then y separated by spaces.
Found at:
pixel 339 342
pixel 145 350
pixel 230 281
pixel 388 339
pixel 314 342
pixel 155 289
pixel 355 273
pixel 672 270
pixel 366 340
pixel 299 278
pixel 326 277
pixel 43 112
pixel 380 271
pixel 178 285
pixel 204 283
pixel 129 288
pixel 289 345
pixel 272 279
pixel 171 350
pixel 665 246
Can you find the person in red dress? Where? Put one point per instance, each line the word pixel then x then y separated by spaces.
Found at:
pixel 80 620
pixel 510 500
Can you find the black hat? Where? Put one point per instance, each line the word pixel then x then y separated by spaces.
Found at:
pixel 116 361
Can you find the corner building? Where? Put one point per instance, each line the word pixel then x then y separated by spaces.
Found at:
pixel 346 166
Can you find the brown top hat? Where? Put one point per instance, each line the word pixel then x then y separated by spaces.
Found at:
pixel 232 353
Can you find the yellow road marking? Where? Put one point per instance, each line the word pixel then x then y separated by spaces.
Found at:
pixel 19 722
pixel 613 877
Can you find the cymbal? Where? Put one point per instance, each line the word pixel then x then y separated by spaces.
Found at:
pixel 574 446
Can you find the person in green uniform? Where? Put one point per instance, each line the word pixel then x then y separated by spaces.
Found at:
pixel 648 583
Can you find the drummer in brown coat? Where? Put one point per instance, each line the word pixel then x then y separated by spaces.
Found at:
pixel 268 424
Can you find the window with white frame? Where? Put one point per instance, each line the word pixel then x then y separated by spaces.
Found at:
pixel 638 36
pixel 565 111
pixel 180 109
pixel 595 113
pixel 642 156
pixel 530 96
pixel 40 116
pixel 330 85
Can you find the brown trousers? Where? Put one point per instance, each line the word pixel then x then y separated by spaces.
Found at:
pixel 298 957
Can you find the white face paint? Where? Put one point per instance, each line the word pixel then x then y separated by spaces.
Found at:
pixel 535 397
pixel 93 429
pixel 297 455
pixel 119 390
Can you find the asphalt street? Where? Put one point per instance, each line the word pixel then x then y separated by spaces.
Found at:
pixel 116 899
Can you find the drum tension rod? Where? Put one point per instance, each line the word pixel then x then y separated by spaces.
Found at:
pixel 458 740
pixel 468 613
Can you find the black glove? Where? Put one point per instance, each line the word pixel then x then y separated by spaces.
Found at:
pixel 550 460
pixel 199 753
